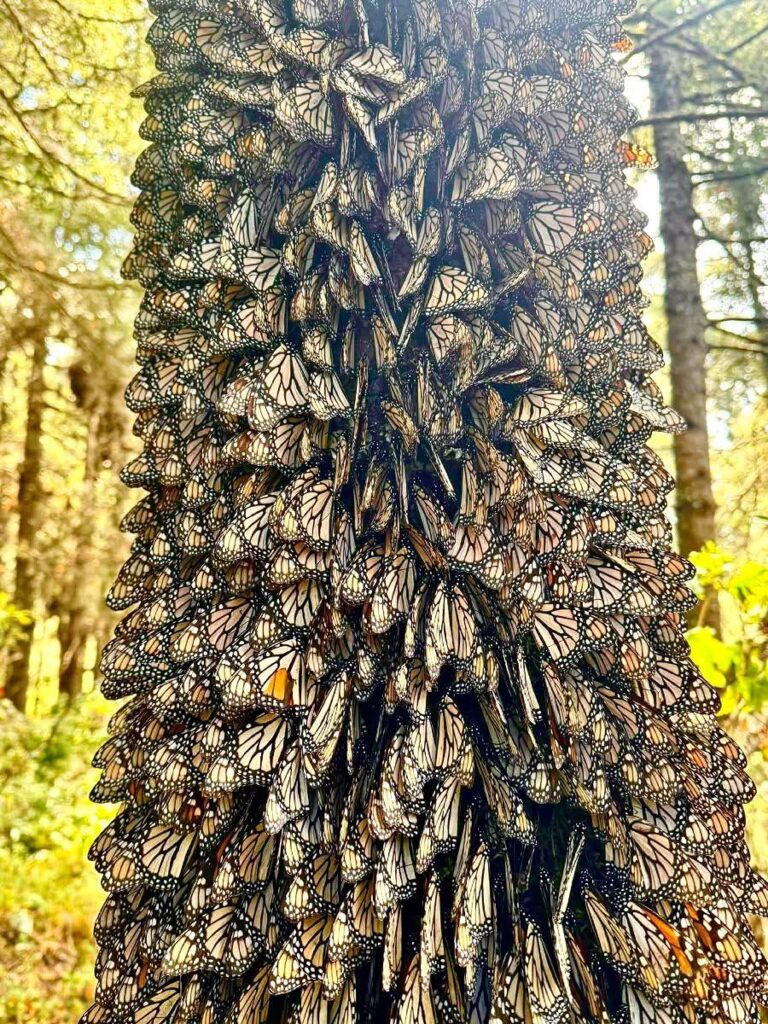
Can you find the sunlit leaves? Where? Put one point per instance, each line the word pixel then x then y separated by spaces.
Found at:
pixel 737 663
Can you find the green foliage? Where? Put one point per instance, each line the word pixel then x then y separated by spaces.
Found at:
pixel 737 663
pixel 66 71
pixel 13 621
pixel 68 142
pixel 49 892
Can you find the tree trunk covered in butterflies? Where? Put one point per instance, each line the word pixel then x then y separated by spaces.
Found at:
pixel 29 497
pixel 686 319
pixel 412 732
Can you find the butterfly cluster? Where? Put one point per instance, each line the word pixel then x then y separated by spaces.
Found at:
pixel 410 731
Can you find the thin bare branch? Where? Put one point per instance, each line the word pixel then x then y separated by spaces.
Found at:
pixel 681 26
pixel 17 261
pixel 73 12
pixel 693 46
pixel 747 40
pixel 737 348
pixel 692 116
pixel 740 337
pixel 737 319
pixel 705 177
pixel 29 39
pixel 57 159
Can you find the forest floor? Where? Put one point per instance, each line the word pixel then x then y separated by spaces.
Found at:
pixel 49 892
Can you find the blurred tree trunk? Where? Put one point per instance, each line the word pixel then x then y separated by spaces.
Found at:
pixel 4 345
pixel 686 319
pixel 759 308
pixel 9 331
pixel 4 489
pixel 28 509
pixel 748 222
pixel 74 615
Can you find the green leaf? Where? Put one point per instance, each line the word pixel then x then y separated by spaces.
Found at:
pixel 712 565
pixel 736 664
pixel 713 658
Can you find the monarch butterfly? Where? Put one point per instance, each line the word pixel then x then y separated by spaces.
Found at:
pixel 557 630
pixel 454 290
pixel 314 889
pixel 395 874
pixel 325 728
pixel 635 156
pixel 416 1003
pixel 300 960
pixel 393 592
pixel 547 997
pixel 432 947
pixel 641 1009
pixel 451 629
pixel 400 611
pixel 356 928
pixel 510 1003
pixel 475 918
pixel 259 747
pixel 441 828
pixel 164 853
pixel 553 228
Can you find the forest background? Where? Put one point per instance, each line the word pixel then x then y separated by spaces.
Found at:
pixel 69 134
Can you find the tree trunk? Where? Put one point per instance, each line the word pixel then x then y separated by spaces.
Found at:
pixel 73 636
pixel 686 320
pixel 28 507
pixel 387 718
pixel 759 308
pixel 10 331
pixel 74 622
pixel 4 477
pixel 748 221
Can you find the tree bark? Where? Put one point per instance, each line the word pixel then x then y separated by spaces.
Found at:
pixel 4 475
pixel 28 507
pixel 747 202
pixel 686 320
pixel 754 285
pixel 73 637
pixel 74 621
pixel 11 329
